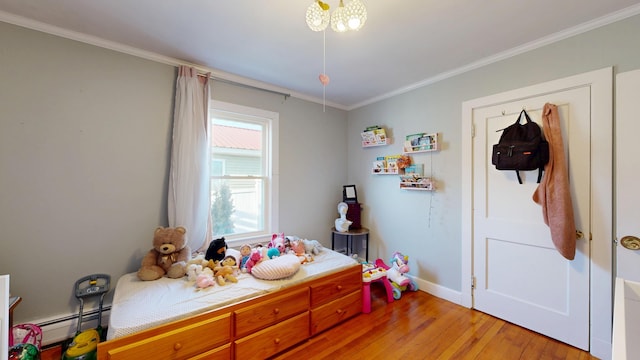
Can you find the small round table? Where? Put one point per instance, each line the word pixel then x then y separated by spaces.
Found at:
pixel 362 231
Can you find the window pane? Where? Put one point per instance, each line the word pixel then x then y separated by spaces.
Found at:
pixel 239 146
pixel 237 206
pixel 238 175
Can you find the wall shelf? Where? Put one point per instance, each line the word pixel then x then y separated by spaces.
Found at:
pixel 421 143
pixel 386 141
pixel 418 184
pixel 384 171
pixel 374 136
pixel 411 175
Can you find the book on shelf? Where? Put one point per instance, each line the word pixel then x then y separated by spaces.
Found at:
pixel 379 166
pixel 380 135
pixel 368 138
pixel 416 182
pixel 374 135
pixel 392 163
pixel 414 169
pixel 420 142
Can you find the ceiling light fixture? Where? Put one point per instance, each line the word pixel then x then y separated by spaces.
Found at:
pixel 344 18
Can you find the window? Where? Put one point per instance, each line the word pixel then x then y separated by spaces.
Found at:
pixel 243 163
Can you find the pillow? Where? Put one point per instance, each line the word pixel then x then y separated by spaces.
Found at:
pixel 277 268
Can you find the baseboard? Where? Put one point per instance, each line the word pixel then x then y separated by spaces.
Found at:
pixel 61 328
pixel 439 291
pixel 601 349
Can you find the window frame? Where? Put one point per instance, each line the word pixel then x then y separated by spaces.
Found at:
pixel 270 163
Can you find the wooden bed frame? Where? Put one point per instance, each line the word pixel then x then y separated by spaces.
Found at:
pixel 256 328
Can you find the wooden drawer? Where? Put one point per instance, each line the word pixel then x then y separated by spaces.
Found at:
pixel 180 343
pixel 223 352
pixel 256 317
pixel 272 340
pixel 336 311
pixel 329 290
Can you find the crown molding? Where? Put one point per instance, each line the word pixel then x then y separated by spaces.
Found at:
pixel 576 30
pixel 148 55
pixel 96 41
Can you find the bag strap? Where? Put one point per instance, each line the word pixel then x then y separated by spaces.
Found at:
pixel 526 116
pixel 518 175
pixel 540 170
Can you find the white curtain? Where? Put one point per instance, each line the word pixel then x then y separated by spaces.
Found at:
pixel 189 199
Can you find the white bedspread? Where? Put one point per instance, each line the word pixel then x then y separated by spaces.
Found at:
pixel 139 305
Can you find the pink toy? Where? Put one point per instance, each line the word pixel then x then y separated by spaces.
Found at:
pixel 204 280
pixel 373 273
pixel 297 247
pixel 396 274
pixel 254 259
pixel 400 262
pixel 277 241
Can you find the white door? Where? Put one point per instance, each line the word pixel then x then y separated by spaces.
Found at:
pixel 627 167
pixel 519 275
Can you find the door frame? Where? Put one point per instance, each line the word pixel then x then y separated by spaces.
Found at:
pixel 601 208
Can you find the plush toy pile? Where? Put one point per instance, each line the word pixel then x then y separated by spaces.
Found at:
pixel 217 266
pixel 280 259
pixel 171 257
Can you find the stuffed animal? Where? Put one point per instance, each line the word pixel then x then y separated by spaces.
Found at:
pixel 225 271
pixel 205 279
pixel 195 266
pixel 254 259
pixel 245 252
pixel 297 248
pixel 277 241
pixel 193 270
pixel 312 246
pixel 216 250
pixel 273 253
pixel 168 256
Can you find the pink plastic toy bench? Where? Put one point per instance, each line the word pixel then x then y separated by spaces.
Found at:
pixel 371 273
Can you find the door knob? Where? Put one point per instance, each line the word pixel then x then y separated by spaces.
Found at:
pixel 630 242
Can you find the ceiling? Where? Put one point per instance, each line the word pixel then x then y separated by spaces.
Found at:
pixel 404 43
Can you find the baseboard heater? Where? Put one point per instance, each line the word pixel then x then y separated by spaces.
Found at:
pixel 62 328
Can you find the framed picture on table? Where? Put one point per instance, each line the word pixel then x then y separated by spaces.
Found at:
pixel 349 194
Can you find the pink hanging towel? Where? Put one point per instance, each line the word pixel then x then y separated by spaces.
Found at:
pixel 553 192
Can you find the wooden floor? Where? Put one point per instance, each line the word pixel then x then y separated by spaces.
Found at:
pixel 421 326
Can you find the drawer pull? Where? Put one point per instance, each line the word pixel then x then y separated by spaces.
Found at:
pixel 177 346
pixel 276 311
pixel 339 287
pixel 276 341
pixel 339 311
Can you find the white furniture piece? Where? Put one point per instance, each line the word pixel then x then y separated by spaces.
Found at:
pixel 4 317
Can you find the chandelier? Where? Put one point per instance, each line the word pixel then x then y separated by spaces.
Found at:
pixel 344 18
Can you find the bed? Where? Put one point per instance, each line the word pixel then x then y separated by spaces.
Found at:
pixel 253 318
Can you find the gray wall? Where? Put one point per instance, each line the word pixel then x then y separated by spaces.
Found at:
pixel 424 225
pixel 84 150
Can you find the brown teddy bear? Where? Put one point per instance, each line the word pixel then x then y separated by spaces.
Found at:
pixel 169 255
